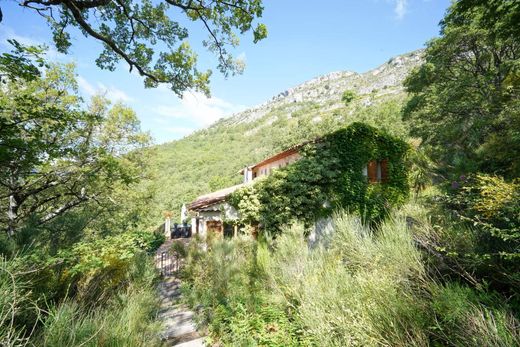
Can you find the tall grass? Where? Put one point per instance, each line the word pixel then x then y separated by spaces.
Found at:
pixel 15 305
pixel 367 288
pixel 126 319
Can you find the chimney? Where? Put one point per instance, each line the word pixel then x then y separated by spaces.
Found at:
pixel 248 174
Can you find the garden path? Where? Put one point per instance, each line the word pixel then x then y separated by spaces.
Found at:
pixel 178 325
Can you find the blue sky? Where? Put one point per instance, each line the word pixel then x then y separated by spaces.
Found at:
pixel 306 39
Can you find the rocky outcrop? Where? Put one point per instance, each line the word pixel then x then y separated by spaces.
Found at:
pixel 386 79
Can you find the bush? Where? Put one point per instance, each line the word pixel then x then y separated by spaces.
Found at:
pixel 126 319
pixel 97 268
pixel 367 288
pixel 348 96
pixel 489 207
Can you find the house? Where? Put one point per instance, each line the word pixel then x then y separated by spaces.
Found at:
pixel 282 159
pixel 212 213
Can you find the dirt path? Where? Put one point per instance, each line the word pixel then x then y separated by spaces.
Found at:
pixel 178 325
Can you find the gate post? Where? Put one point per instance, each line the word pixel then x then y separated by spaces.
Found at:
pixel 167 224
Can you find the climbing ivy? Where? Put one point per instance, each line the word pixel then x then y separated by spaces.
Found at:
pixel 327 177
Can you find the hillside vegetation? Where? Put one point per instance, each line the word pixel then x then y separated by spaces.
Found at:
pixel 441 270
pixel 211 158
pixel 82 190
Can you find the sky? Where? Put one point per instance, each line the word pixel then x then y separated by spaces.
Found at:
pixel 306 39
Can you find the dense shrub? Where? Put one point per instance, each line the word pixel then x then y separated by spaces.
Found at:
pixel 127 319
pixel 489 207
pixel 366 289
pixel 97 287
pixel 228 280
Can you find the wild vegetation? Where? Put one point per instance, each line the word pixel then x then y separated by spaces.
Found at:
pixel 365 289
pixel 79 191
pixel 73 266
pixel 443 270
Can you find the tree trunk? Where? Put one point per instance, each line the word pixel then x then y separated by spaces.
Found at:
pixel 12 215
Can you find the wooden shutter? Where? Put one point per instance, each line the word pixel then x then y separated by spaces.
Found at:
pixel 372 171
pixel 384 170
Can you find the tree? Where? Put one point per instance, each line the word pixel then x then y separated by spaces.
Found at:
pixel 144 35
pixel 348 96
pixel 54 155
pixel 465 98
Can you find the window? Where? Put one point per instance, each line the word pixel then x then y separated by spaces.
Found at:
pixel 376 171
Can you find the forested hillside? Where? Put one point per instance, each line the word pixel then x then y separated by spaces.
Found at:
pixel 211 158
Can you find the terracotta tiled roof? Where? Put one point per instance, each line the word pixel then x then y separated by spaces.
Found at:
pixel 207 200
pixel 212 198
pixel 286 152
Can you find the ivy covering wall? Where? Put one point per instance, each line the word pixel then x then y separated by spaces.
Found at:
pixel 327 177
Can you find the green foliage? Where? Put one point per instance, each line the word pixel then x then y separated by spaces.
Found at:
pixel 492 204
pixel 57 156
pixel 465 97
pixel 348 96
pixel 490 207
pixel 365 289
pixel 421 170
pixel 228 281
pixel 98 267
pixel 24 62
pixel 71 236
pixel 132 31
pixel 103 290
pixel 127 319
pixel 330 175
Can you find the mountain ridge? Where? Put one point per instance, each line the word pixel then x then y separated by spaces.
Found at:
pixel 296 93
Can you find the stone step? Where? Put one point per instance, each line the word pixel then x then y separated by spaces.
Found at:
pixel 179 328
pixel 193 343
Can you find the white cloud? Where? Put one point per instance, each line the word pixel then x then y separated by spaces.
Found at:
pixel 110 92
pixel 7 33
pixel 400 8
pixel 199 109
pixel 85 86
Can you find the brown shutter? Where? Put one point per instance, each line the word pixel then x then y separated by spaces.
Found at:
pixel 384 170
pixel 372 171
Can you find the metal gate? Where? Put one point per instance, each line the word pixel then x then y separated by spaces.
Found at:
pixel 167 262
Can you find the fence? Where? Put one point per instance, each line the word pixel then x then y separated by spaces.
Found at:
pixel 167 262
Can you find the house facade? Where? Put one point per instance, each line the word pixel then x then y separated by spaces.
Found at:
pixel 212 212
